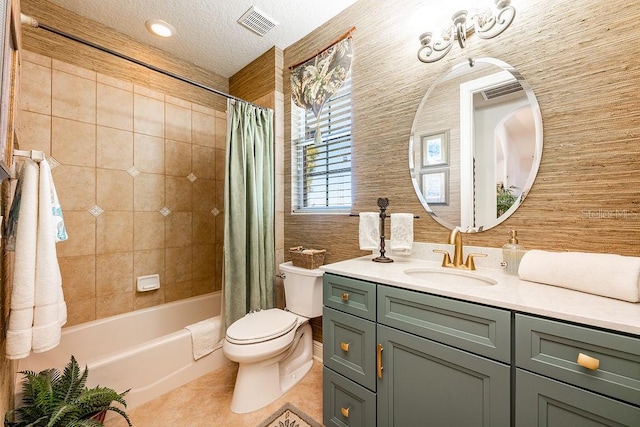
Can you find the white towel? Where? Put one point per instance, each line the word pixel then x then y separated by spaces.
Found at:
pixel 19 332
pixel 401 233
pixel 50 311
pixel 38 310
pixel 609 275
pixel 205 336
pixel 369 231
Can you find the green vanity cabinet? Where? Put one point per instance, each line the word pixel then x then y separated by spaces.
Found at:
pixel 401 358
pixel 395 357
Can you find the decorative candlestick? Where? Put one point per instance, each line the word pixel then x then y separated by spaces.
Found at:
pixel 382 204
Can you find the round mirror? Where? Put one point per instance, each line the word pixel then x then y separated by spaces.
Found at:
pixel 475 145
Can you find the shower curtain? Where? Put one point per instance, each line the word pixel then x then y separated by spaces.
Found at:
pixel 249 258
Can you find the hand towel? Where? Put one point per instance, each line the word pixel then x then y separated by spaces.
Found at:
pixel 609 275
pixel 50 310
pixel 205 336
pixel 369 231
pixel 401 233
pixel 19 332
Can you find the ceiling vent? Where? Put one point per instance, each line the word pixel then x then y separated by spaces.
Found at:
pixel 255 20
pixel 502 90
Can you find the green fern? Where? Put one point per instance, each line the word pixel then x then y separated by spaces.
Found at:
pixel 54 399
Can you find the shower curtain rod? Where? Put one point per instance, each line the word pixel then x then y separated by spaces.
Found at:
pixel 35 24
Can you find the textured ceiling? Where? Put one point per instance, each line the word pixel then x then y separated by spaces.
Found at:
pixel 207 32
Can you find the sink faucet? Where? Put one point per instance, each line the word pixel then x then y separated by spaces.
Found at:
pixel 455 239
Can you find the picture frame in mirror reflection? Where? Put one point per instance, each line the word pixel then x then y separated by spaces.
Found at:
pixel 435 186
pixel 435 149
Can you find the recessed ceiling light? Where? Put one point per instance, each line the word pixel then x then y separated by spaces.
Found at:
pixel 159 28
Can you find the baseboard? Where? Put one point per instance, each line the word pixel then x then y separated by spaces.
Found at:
pixel 317 351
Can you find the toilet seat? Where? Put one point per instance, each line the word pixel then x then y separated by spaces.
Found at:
pixel 261 326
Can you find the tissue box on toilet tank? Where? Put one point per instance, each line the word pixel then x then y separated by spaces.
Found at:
pixel 307 258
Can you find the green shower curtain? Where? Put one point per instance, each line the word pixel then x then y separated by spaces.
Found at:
pixel 249 258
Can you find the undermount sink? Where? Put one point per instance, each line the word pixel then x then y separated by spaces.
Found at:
pixel 448 277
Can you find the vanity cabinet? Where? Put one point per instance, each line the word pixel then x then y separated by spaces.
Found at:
pixel 399 357
pixel 573 375
pixel 395 357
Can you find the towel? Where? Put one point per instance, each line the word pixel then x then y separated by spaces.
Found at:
pixel 50 311
pixel 37 307
pixel 205 336
pixel 609 275
pixel 401 233
pixel 369 231
pixel 19 332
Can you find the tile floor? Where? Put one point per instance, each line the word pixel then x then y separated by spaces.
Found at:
pixel 205 403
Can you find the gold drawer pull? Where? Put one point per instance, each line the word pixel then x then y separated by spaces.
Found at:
pixel 379 361
pixel 345 297
pixel 344 346
pixel 345 411
pixel 588 361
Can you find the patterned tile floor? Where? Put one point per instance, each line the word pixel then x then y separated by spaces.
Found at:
pixel 205 403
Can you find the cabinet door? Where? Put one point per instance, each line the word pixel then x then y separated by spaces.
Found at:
pixel 543 402
pixel 425 383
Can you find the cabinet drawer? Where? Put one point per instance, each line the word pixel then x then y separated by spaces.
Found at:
pixel 349 346
pixel 346 403
pixel 350 295
pixel 475 328
pixel 551 348
pixel 542 402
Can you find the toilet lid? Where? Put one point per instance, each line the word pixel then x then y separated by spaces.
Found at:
pixel 261 326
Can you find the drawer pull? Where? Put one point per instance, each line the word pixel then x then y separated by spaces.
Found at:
pixel 379 360
pixel 588 361
pixel 345 297
pixel 345 411
pixel 344 346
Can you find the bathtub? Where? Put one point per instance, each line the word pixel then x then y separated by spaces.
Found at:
pixel 147 351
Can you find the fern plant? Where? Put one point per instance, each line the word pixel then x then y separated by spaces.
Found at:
pixel 54 399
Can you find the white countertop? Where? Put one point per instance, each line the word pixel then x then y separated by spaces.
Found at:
pixel 510 292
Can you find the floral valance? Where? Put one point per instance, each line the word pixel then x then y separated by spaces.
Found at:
pixel 316 80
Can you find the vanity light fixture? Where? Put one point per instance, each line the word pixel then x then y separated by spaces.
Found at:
pixel 159 28
pixel 487 23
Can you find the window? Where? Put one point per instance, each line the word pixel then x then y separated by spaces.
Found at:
pixel 321 171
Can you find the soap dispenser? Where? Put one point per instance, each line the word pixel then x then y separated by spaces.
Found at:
pixel 512 254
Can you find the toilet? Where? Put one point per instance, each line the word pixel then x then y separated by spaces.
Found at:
pixel 274 347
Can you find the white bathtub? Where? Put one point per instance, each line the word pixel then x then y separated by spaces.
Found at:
pixel 147 351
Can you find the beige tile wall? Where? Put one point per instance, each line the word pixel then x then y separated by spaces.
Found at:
pixel 127 154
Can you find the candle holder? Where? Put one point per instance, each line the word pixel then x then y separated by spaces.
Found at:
pixel 382 204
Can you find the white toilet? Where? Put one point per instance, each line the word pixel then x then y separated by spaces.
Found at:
pixel 274 347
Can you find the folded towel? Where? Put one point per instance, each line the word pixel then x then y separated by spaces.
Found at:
pixel 205 336
pixel 609 275
pixel 369 231
pixel 401 233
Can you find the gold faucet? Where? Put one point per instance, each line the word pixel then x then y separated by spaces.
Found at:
pixel 455 239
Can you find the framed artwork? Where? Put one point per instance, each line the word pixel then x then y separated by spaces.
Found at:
pixel 435 187
pixel 435 149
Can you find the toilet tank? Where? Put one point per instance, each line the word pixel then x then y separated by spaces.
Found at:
pixel 303 290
